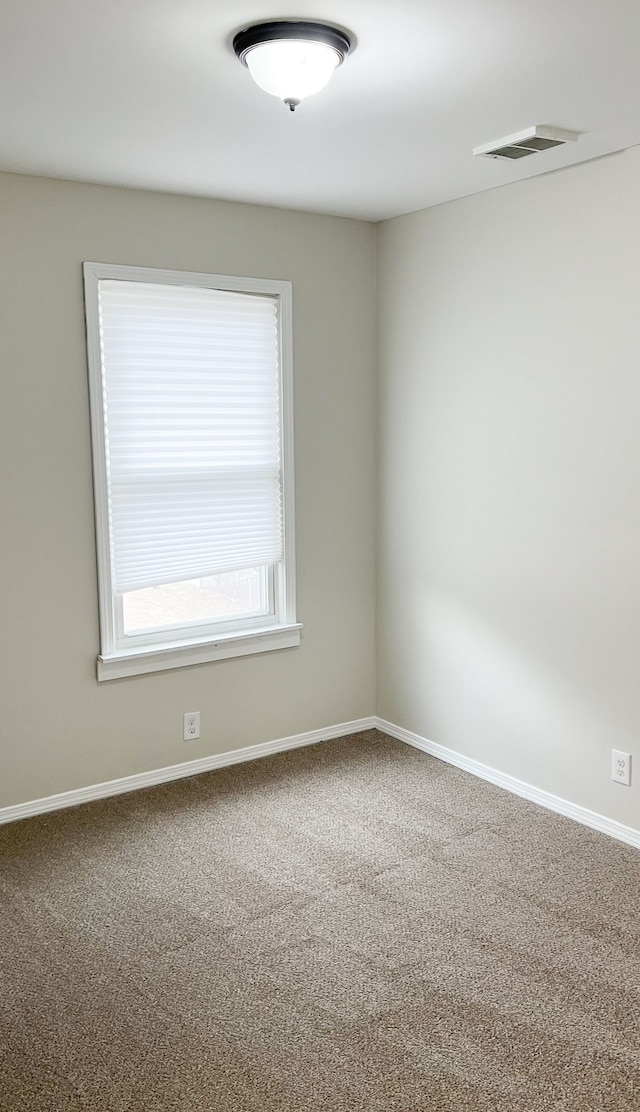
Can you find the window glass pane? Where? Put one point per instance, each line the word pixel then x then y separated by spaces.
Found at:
pixel 229 595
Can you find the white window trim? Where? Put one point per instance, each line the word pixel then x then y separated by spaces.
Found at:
pixel 113 662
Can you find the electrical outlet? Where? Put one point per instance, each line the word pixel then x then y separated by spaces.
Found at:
pixel 621 767
pixel 191 725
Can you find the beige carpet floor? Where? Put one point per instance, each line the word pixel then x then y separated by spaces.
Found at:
pixel 352 926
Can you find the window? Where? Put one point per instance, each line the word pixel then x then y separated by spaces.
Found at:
pixel 191 414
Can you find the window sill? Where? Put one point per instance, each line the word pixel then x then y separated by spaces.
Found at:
pixel 139 661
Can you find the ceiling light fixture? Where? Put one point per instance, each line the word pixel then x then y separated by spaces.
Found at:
pixel 291 59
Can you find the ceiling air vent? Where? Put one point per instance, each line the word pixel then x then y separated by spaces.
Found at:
pixel 530 141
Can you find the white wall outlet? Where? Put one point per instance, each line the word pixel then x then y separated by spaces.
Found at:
pixel 191 725
pixel 620 767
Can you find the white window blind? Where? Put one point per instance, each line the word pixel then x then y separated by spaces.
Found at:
pixel 192 431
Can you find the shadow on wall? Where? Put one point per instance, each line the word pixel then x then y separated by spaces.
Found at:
pixel 485 685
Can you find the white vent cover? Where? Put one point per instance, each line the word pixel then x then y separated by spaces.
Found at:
pixel 530 141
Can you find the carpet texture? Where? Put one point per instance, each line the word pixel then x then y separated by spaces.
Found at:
pixel 351 926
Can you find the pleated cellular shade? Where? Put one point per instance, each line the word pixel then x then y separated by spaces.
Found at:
pixel 192 421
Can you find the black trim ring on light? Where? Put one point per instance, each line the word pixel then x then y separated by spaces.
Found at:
pixel 261 33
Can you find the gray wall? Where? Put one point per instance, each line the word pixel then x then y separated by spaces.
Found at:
pixel 509 470
pixel 509 467
pixel 59 728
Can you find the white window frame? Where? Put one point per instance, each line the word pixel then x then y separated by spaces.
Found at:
pixel 198 642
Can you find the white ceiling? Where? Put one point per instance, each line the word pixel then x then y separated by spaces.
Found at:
pixel 148 93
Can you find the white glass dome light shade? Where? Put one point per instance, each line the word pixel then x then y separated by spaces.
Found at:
pixel 291 59
pixel 292 69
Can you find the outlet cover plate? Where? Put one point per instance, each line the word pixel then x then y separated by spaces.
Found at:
pixel 191 725
pixel 621 767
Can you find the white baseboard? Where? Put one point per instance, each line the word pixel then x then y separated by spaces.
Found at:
pixel 179 771
pixel 251 752
pixel 518 787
